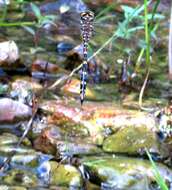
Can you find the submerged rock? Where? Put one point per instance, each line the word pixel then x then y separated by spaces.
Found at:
pixel 74 121
pixel 50 141
pixel 63 6
pixel 9 142
pixel 3 87
pixel 124 173
pixel 124 131
pixel 20 177
pixel 7 138
pixel 9 53
pixel 72 88
pixel 130 132
pixel 65 175
pixel 12 111
pixel 64 47
pixel 134 135
pixel 24 88
pixel 44 66
pixel 7 149
pixel 8 187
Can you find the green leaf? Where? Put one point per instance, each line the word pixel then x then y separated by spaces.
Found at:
pixel 29 29
pixel 131 13
pixel 152 32
pixel 127 10
pixel 36 10
pixel 149 16
pixel 47 21
pixel 140 9
pixel 122 31
pixel 104 18
pixel 134 29
pixel 50 17
pixel 20 1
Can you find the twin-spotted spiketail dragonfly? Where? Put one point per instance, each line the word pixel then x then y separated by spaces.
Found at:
pixel 87 19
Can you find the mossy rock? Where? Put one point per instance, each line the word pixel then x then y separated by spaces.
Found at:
pixel 65 175
pixel 124 173
pixel 134 140
pixel 20 177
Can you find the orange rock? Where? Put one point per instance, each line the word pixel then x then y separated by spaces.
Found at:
pixel 72 88
pixel 44 66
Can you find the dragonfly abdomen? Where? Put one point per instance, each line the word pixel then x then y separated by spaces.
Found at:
pixel 85 51
pixel 83 81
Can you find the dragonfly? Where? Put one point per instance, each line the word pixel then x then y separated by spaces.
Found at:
pixel 88 25
pixel 87 18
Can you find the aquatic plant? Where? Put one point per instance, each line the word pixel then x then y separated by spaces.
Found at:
pixel 41 19
pixel 148 30
pixel 159 179
pixel 125 30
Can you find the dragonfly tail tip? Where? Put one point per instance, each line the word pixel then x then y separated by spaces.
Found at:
pixel 82 101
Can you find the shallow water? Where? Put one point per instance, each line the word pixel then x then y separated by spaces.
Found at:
pixel 101 145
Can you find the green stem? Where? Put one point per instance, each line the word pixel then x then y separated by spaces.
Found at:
pixel 153 14
pixel 147 34
pixel 17 24
pixel 4 13
pixel 147 39
pixel 152 28
pixel 160 180
pixel 138 62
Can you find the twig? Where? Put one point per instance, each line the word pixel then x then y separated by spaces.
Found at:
pixel 142 92
pixel 29 124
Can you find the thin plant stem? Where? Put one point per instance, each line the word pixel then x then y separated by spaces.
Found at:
pixel 138 62
pixel 147 39
pixel 113 37
pixel 17 24
pixel 151 28
pixel 104 11
pixel 147 34
pixel 170 47
pixel 159 179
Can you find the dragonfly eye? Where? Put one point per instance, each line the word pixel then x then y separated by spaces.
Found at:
pixel 87 16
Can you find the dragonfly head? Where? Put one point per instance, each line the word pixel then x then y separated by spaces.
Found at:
pixel 87 16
